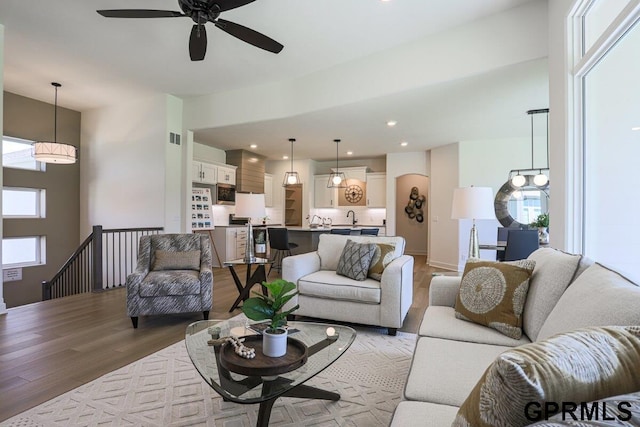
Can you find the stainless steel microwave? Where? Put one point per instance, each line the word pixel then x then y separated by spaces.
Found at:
pixel 225 194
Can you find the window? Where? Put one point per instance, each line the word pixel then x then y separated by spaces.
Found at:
pixel 23 203
pixel 22 251
pixel 16 153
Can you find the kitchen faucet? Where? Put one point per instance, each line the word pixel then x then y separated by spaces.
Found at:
pixel 354 220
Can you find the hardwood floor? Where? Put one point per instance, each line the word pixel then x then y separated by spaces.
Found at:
pixel 51 347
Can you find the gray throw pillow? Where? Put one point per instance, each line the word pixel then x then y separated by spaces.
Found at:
pixel 355 260
pixel 169 260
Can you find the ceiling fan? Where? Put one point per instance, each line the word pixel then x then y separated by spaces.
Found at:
pixel 201 12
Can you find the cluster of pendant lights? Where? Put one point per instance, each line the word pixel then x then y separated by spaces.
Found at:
pixel 54 152
pixel 540 179
pixel 337 179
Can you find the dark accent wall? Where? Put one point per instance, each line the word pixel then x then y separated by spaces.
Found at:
pixel 33 120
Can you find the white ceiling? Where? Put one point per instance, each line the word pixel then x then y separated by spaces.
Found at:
pixel 103 61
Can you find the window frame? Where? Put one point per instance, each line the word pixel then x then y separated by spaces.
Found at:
pixel 40 248
pixel 41 203
pixel 40 166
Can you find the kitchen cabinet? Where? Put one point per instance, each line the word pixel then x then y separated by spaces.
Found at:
pixel 268 190
pixel 230 243
pixel 227 175
pixel 323 197
pixel 205 173
pixel 358 172
pixel 376 190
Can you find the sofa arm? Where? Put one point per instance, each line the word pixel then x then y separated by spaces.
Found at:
pixel 296 266
pixel 396 287
pixel 444 290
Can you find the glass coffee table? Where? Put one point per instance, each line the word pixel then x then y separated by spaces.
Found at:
pixel 325 343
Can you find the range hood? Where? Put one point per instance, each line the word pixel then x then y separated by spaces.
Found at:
pixel 250 172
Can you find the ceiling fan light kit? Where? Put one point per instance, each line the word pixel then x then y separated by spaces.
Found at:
pixel 54 152
pixel 201 12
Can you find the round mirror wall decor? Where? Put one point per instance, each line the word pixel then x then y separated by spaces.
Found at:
pixel 517 207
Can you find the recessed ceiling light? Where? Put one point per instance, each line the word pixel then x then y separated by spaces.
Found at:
pixel 392 123
pixel 636 128
pixel 349 153
pixel 404 143
pixel 253 146
pixel 285 157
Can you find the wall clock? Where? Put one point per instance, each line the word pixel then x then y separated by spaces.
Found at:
pixel 353 193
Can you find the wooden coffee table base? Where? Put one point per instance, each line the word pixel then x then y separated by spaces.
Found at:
pixel 302 391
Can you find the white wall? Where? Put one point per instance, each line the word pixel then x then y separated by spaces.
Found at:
pixel 122 165
pixel 3 305
pixel 443 243
pixel 205 153
pixel 500 40
pixel 399 164
pixel 175 187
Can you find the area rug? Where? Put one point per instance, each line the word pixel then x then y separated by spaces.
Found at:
pixel 164 389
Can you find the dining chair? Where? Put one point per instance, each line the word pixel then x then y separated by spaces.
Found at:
pixel 520 244
pixel 369 231
pixel 343 231
pixel 280 247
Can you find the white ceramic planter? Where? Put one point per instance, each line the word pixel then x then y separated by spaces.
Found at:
pixel 274 345
pixel 261 248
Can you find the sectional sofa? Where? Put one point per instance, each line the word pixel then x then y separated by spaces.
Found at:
pixel 566 294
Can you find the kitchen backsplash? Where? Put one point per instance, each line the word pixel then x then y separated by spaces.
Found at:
pixel 364 215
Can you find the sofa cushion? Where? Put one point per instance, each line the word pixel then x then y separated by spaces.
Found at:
pixel 445 371
pixel 578 366
pixel 598 297
pixel 330 247
pixel 494 293
pixel 174 283
pixel 171 260
pixel 441 322
pixel 329 285
pixel 355 260
pixel 423 414
pixel 383 255
pixel 553 272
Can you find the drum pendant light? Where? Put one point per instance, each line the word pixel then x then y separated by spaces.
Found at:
pixel 54 152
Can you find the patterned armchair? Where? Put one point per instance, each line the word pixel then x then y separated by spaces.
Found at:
pixel 173 275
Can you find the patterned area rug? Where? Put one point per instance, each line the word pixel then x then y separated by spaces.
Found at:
pixel 164 389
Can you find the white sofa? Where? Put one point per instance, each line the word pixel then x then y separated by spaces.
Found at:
pixel 566 292
pixel 326 295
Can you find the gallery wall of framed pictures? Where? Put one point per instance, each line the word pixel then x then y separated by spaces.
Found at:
pixel 201 209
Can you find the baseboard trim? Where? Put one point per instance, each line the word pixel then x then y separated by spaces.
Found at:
pixel 444 265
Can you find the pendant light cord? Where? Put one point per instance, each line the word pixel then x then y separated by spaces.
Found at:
pixel 337 141
pixel 532 141
pixel 55 117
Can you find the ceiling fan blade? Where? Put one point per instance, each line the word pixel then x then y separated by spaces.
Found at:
pixel 198 42
pixel 231 4
pixel 139 13
pixel 248 35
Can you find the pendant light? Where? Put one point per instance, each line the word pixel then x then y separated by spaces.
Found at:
pixel 291 177
pixel 337 178
pixel 54 152
pixel 540 179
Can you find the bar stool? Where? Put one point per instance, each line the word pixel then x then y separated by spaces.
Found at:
pixel 369 231
pixel 280 247
pixel 343 231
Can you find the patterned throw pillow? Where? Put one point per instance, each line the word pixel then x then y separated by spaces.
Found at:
pixel 169 260
pixel 493 294
pixel 579 366
pixel 382 257
pixel 355 260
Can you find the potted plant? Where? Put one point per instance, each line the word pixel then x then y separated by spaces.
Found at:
pixel 541 223
pixel 261 245
pixel 261 307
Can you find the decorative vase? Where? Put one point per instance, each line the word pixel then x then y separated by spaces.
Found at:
pixel 274 343
pixel 543 235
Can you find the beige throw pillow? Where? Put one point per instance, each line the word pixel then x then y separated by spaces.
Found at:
pixel 168 260
pixel 494 293
pixel 579 366
pixel 355 260
pixel 382 257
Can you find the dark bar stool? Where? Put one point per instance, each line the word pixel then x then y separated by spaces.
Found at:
pixel 369 231
pixel 343 231
pixel 280 247
pixel 520 244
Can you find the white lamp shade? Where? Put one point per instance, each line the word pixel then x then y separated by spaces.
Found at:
pixel 54 152
pixel 473 203
pixel 250 205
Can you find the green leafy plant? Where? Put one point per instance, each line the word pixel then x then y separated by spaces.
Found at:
pixel 269 307
pixel 260 238
pixel 541 221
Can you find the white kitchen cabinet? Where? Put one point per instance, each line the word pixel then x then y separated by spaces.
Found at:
pixel 268 190
pixel 205 173
pixel 358 172
pixel 376 190
pixel 226 175
pixel 323 197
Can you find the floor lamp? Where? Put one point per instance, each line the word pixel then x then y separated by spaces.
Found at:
pixel 249 206
pixel 473 203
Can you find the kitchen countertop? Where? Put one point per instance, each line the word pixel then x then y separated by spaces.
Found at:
pixel 307 228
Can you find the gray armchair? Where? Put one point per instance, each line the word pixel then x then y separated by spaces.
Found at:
pixel 173 275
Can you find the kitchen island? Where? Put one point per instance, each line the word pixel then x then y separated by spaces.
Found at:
pixel 307 238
